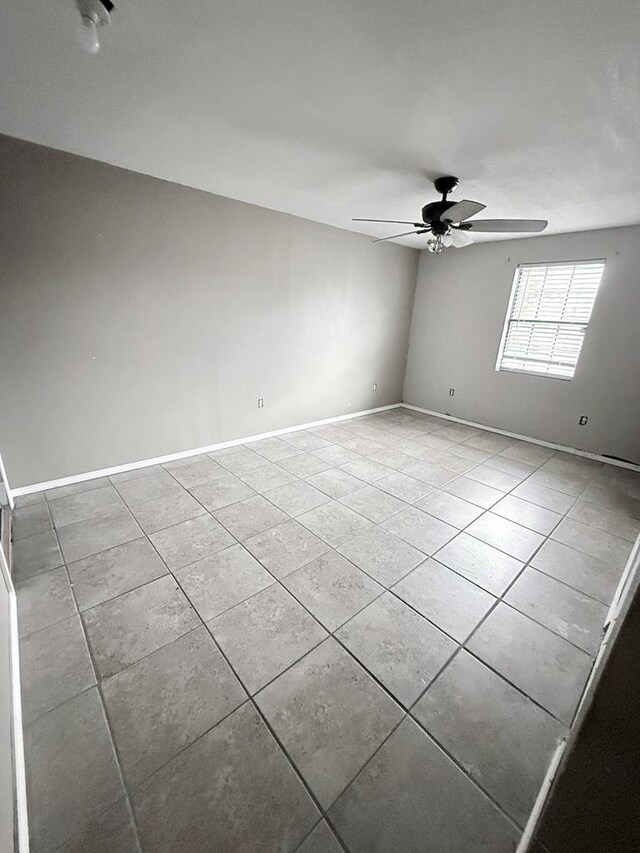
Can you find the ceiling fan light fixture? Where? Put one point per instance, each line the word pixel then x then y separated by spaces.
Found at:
pixel 87 34
pixel 93 15
pixel 436 244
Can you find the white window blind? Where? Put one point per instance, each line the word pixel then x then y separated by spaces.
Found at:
pixel 548 316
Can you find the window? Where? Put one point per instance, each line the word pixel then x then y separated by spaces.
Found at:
pixel 548 314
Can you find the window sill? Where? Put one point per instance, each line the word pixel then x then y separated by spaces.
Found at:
pixel 534 373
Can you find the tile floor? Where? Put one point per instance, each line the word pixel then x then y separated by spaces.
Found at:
pixel 364 637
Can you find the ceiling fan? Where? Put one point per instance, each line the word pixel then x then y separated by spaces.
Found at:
pixel 447 221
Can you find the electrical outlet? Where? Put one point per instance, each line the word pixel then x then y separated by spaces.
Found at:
pixel 452 391
pixel 375 386
pixel 260 403
pixel 583 420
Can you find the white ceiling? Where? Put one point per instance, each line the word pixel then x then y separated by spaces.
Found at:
pixel 337 108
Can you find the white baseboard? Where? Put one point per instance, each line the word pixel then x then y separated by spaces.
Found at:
pixel 184 454
pixel 617 462
pixel 21 829
pixel 526 839
pixel 144 463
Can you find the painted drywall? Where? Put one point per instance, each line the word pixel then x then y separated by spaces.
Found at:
pixel 140 318
pixel 458 317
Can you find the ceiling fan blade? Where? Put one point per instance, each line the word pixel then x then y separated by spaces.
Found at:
pixel 394 221
pixel 460 239
pixel 505 225
pixel 462 210
pixel 406 234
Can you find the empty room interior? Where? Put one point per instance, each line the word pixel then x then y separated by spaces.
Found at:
pixel 319 427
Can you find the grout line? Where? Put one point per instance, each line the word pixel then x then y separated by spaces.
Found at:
pixel 134 821
pixel 52 498
pixel 14 518
pixel 107 721
pixel 311 831
pixel 19 581
pixel 542 624
pixel 124 798
pixel 111 736
pixel 150 533
pixel 564 583
pixel 61 704
pixel 516 822
pixel 128 666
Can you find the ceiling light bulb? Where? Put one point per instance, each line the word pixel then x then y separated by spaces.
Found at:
pixel 88 34
pixel 435 245
pixel 93 15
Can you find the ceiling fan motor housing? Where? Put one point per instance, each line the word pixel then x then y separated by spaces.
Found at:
pixel 446 184
pixel 432 212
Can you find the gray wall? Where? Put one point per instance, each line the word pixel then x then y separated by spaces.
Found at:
pixel 460 306
pixel 140 318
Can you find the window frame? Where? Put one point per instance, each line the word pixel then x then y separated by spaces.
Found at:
pixel 508 320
